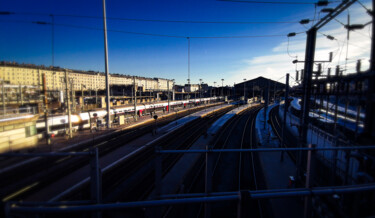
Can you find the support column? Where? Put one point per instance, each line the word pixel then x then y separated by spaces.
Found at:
pixel 370 104
pixel 308 71
pixel 106 67
pixel 168 96
pixel 135 100
pixel 68 103
pixel 286 106
pixel 48 141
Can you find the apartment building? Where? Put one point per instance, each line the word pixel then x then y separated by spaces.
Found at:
pixel 27 74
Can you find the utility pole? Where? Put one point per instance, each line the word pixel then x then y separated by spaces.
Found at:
pixel 168 95
pixel 266 103
pixel 132 94
pixel 135 100
pixel 96 91
pixel 308 71
pixel 48 141
pixel 307 75
pixel 188 38
pixel 189 86
pixel 83 99
pixel 200 89
pixel 73 96
pixel 286 106
pixel 68 103
pixel 370 105
pixel 173 91
pixel 106 67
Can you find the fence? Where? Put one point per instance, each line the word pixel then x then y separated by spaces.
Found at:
pixel 176 199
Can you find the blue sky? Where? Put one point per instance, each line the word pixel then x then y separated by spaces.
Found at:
pixel 211 58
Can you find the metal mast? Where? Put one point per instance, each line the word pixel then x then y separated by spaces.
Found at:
pixel 106 67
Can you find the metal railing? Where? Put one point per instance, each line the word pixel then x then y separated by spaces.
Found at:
pixel 95 171
pixel 94 205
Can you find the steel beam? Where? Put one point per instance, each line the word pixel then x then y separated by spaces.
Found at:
pixel 14 207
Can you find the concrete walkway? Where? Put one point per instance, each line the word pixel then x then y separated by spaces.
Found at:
pixel 276 173
pixel 63 143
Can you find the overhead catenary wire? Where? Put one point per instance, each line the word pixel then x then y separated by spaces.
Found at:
pixel 287 49
pixel 335 51
pixel 151 20
pixel 146 34
pixel 368 10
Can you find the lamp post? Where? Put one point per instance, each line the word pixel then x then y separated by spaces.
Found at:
pixel 189 87
pixel 168 96
pixel 222 87
pixel 173 91
pixel 82 95
pixel 200 89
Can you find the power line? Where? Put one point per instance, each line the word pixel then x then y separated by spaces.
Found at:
pixel 368 10
pixel 151 20
pixel 287 49
pixel 146 34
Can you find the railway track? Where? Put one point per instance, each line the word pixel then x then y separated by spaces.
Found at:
pixel 133 180
pixel 244 173
pixel 232 171
pixel 25 180
pixel 276 124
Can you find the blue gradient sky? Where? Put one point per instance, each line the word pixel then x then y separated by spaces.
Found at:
pixel 152 56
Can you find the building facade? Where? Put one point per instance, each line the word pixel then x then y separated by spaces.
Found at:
pixel 26 74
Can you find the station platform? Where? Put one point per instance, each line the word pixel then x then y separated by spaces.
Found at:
pixel 173 182
pixel 215 127
pixel 60 188
pixel 200 114
pixel 276 172
pixel 63 143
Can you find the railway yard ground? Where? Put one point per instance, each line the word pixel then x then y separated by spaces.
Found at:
pixel 63 178
pixel 133 167
pixel 127 164
pixel 277 172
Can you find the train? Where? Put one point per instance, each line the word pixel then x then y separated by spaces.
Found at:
pixel 320 117
pixel 59 124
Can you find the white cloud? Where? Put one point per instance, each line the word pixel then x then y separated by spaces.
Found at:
pixel 278 62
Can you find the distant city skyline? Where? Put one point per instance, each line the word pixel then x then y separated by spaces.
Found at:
pixel 76 46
